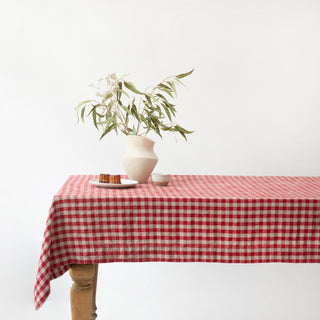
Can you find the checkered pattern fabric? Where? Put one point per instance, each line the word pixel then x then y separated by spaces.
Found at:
pixel 230 219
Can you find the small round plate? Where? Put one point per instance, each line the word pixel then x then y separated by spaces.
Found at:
pixel 125 183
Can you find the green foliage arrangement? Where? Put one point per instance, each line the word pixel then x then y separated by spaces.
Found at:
pixel 119 105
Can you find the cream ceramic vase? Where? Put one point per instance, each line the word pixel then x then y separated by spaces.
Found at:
pixel 139 159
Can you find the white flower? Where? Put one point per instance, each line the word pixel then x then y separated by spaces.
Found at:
pixel 106 85
pixel 112 81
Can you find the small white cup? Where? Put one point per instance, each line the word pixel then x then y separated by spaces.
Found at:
pixel 160 179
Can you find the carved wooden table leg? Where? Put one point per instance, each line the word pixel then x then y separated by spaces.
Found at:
pixel 82 292
pixel 94 288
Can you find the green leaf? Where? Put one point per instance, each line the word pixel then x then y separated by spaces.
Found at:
pixel 109 120
pixel 167 92
pixel 109 106
pixel 166 111
pixel 165 128
pixel 156 125
pixel 178 128
pixel 131 87
pixel 144 120
pixel 108 114
pixel 155 120
pixel 173 88
pixel 108 96
pixel 182 75
pixel 182 131
pixel 161 96
pixel 108 129
pixel 82 113
pixel 135 112
pixel 151 96
pixel 134 131
pixel 163 86
pixel 160 112
pixel 94 117
pixel 99 114
pixel 183 134
pixel 179 82
pixel 101 123
pixel 93 107
pixel 125 93
pixel 125 109
pixel 148 98
pixel 171 107
pixel 82 103
pixel 119 91
pixel 127 120
pixel 173 111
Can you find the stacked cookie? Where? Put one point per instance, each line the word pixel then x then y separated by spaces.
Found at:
pixel 109 178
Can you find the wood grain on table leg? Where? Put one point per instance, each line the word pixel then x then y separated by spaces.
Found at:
pixel 82 290
pixel 94 288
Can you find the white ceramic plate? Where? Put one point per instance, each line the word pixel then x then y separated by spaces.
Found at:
pixel 124 184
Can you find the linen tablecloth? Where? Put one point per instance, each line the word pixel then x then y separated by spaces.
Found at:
pixel 228 219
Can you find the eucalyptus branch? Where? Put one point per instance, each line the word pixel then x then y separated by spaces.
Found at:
pixel 154 106
pixel 152 93
pixel 119 113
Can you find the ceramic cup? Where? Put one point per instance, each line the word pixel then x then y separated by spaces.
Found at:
pixel 160 179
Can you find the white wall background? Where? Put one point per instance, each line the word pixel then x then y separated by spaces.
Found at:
pixel 254 103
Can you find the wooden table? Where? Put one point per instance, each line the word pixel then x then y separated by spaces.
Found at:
pixel 228 219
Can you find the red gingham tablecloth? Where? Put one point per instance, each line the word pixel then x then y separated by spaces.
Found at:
pixel 230 219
